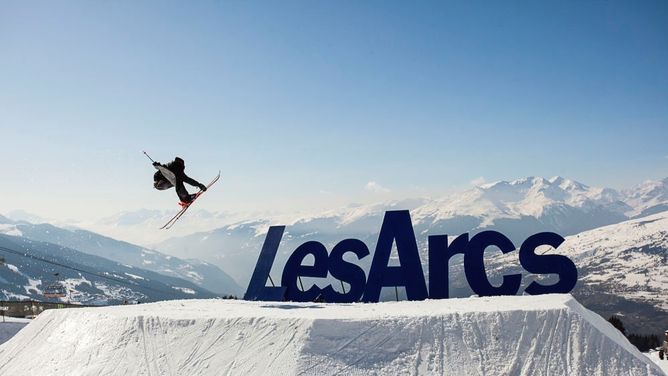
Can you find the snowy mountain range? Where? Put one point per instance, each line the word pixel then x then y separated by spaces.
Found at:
pixel 609 219
pixel 516 208
pixel 530 203
pixel 198 272
pixel 648 198
pixel 29 269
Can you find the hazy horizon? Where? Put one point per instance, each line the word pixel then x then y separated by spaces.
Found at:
pixel 233 216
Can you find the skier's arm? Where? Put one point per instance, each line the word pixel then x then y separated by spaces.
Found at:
pixel 193 182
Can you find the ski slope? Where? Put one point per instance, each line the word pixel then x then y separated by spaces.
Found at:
pixel 9 326
pixel 662 363
pixel 519 335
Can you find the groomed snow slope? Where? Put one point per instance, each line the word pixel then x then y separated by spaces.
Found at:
pixel 9 326
pixel 654 357
pixel 522 335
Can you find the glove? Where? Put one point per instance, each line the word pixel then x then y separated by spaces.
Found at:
pixel 202 187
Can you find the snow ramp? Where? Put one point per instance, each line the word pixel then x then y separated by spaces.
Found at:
pixel 519 335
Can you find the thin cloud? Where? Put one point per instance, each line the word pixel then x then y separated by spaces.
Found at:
pixel 374 187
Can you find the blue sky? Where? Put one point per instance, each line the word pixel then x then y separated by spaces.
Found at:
pixel 302 104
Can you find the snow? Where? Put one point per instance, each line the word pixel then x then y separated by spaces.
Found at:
pixel 10 229
pixel 647 195
pixel 184 290
pixel 629 254
pixel 12 268
pixel 134 276
pixel 519 335
pixel 10 326
pixel 194 276
pixel 663 364
pixel 8 295
pixel 118 293
pixel 73 287
pixel 513 199
pixel 32 286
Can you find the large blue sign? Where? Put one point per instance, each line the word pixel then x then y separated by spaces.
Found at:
pixel 398 228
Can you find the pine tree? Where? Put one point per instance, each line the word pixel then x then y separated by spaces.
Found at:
pixel 645 342
pixel 617 323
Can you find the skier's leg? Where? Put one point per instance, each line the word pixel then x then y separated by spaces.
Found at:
pixel 184 196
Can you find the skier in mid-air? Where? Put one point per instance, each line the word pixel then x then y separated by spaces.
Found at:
pixel 173 175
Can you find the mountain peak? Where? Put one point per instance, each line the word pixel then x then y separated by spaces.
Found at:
pixel 501 184
pixel 537 182
pixel 556 180
pixel 532 180
pixel 651 196
pixel 24 216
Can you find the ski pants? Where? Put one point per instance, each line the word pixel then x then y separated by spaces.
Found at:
pixel 182 192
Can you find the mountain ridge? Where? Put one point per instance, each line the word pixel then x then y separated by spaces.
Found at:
pixel 30 266
pixel 199 272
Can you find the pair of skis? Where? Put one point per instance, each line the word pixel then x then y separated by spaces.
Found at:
pixel 178 215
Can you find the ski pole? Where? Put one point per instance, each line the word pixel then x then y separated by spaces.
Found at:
pixel 147 156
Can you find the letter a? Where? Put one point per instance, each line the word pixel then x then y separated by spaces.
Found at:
pixel 397 226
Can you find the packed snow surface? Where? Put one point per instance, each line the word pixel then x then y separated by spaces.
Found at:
pixel 9 326
pixel 520 335
pixel 662 363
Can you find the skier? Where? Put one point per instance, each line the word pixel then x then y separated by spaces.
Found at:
pixel 173 175
pixel 664 349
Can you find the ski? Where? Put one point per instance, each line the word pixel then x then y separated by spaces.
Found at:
pixel 171 222
pixel 178 215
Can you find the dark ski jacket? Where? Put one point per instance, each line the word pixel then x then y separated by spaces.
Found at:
pixel 173 174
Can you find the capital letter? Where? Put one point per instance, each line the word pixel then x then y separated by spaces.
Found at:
pixel 257 289
pixel 397 226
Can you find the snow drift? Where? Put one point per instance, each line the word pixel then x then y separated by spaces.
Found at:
pixel 519 335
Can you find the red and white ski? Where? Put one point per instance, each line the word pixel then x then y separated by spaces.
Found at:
pixel 178 215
